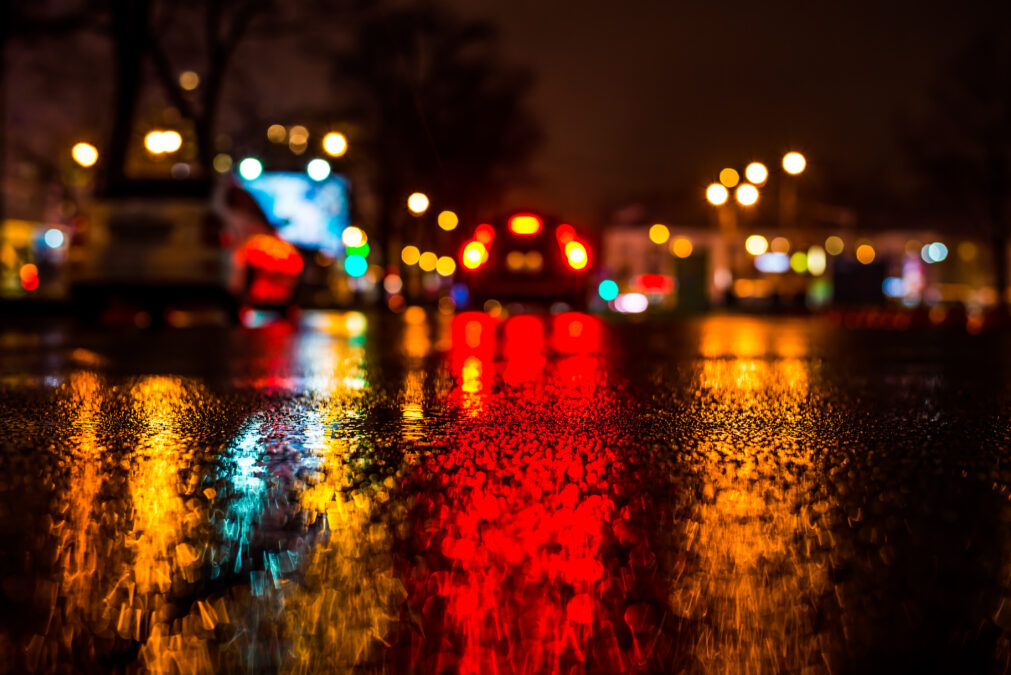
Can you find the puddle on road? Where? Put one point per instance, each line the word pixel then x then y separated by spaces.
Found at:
pixel 536 495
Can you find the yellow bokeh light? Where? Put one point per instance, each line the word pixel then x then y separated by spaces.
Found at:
pixel 717 194
pixel 730 178
pixel 276 133
pixel 448 220
pixel 428 261
pixel 417 203
pixel 335 144
pixel 659 233
pixel 798 262
pixel 794 163
pixel 222 163
pixel 816 261
pixel 84 154
pixel 515 260
pixel 445 266
pixel 834 245
pixel 414 315
pixel 747 194
pixel 780 245
pixel 353 237
pixel 865 253
pixel 189 80
pixel 756 173
pixel 410 255
pixel 162 142
pixel 681 247
pixel 967 251
pixel 171 141
pixel 756 244
pixel 744 288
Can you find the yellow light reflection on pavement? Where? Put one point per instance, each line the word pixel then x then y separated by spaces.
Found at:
pixel 759 562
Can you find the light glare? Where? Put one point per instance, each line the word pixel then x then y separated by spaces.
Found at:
pixel 353 237
pixel 448 220
pixel 659 233
pixel 318 169
pixel 417 203
pixel 84 154
pixel 335 144
pixel 756 173
pixel 717 194
pixel 756 244
pixel 250 168
pixel 54 237
pixel 794 163
pixel 747 194
pixel 681 247
pixel 410 255
pixel 816 261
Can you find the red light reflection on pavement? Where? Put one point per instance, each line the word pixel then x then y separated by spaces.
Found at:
pixel 529 553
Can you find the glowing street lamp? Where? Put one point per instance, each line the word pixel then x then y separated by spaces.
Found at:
pixel 84 154
pixel 746 194
pixel 756 173
pixel 418 203
pixel 335 144
pixel 794 163
pixel 717 194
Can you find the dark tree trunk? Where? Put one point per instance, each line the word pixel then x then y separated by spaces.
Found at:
pixel 130 34
pixel 208 118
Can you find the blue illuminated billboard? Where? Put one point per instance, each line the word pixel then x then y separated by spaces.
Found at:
pixel 306 212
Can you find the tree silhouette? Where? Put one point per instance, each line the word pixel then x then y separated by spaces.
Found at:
pixel 141 31
pixel 437 110
pixel 42 25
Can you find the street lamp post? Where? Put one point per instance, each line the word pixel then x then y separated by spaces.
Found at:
pixel 726 218
pixel 794 164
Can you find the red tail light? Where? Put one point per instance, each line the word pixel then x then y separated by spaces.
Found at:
pixel 565 234
pixel 273 255
pixel 485 234
pixel 576 255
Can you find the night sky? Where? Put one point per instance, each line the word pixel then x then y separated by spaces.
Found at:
pixel 642 95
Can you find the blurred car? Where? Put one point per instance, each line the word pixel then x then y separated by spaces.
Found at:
pixel 155 243
pixel 527 258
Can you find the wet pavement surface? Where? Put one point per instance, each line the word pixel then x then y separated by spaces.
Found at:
pixel 544 494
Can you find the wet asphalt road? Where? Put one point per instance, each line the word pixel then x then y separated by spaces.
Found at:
pixel 542 494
